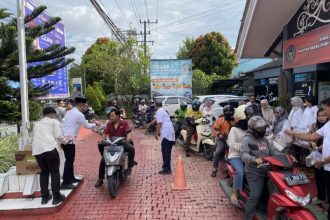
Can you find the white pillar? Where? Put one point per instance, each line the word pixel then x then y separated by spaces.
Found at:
pixel 23 70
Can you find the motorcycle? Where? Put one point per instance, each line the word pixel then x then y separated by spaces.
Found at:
pixel 202 140
pixel 286 193
pixel 116 161
pixel 139 121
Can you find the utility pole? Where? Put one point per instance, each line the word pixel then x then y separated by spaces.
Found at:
pixel 23 71
pixel 144 33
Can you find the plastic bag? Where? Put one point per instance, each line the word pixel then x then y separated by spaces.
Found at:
pixel 312 158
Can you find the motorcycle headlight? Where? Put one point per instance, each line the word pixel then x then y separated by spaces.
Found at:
pixel 303 201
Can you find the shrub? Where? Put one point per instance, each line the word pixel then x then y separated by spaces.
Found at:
pixel 8 145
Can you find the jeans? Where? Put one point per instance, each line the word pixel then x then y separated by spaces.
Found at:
pixel 238 165
pixel 219 152
pixel 257 184
pixel 69 153
pixel 129 148
pixel 190 133
pixel 166 153
pixel 49 163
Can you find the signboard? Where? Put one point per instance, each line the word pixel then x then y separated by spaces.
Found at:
pixel 308 49
pixel 77 86
pixel 324 91
pixel 171 77
pixel 304 89
pixel 59 79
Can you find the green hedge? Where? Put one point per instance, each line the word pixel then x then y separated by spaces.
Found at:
pixel 8 145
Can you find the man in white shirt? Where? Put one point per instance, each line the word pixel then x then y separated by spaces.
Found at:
pixel 165 130
pixel 324 133
pixel 60 110
pixel 46 133
pixel 73 120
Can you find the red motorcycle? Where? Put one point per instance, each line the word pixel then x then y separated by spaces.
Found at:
pixel 287 193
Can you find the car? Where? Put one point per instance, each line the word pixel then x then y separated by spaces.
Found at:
pixel 204 98
pixel 172 103
pixel 218 104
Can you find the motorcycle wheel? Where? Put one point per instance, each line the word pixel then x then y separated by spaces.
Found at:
pixel 207 151
pixel 113 185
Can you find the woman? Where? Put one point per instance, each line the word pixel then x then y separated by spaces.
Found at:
pixel 208 111
pixel 267 111
pixel 237 132
pixel 296 113
pixel 319 173
pixel 310 113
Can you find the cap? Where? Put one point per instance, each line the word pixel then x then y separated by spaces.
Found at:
pixel 80 99
pixel 48 110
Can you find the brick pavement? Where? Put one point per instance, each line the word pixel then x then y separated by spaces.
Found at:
pixel 145 194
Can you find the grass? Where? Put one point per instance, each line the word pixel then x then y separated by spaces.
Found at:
pixel 8 145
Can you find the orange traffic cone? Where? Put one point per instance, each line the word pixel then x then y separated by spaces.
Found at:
pixel 180 177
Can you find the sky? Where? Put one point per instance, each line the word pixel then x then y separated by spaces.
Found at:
pixel 177 20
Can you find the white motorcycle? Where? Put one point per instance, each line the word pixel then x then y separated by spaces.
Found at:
pixel 201 140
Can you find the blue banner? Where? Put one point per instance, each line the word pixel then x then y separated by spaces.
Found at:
pixel 171 77
pixel 59 79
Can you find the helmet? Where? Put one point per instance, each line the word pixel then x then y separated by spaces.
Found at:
pixel 136 101
pixel 195 104
pixel 257 125
pixel 151 103
pixel 143 101
pixel 248 112
pixel 183 106
pixel 228 108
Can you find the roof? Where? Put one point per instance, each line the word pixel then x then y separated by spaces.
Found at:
pixel 275 63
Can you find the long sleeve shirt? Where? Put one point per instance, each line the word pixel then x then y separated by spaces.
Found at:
pixel 73 120
pixel 46 134
pixel 295 118
pixel 234 142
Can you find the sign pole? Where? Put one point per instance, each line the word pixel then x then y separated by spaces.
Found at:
pixel 23 70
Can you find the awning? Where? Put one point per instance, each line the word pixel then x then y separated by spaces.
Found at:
pixel 262 25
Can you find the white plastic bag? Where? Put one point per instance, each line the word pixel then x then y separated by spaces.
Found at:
pixel 313 157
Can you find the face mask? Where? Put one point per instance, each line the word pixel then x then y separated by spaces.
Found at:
pixel 228 117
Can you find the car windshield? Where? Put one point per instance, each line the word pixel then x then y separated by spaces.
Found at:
pixel 159 99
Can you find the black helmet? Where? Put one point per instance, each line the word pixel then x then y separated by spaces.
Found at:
pixel 228 108
pixel 195 104
pixel 183 106
pixel 248 112
pixel 151 103
pixel 257 125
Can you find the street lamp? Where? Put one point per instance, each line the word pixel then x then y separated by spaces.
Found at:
pixel 23 71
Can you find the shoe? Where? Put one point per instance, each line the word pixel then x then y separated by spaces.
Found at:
pixel 75 180
pixel 214 173
pixel 163 172
pixel 128 171
pixel 98 183
pixel 135 163
pixel 187 154
pixel 67 186
pixel 58 199
pixel 45 200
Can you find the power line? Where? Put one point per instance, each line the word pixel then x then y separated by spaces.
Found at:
pixel 137 11
pixel 123 14
pixel 202 14
pixel 146 8
pixel 137 19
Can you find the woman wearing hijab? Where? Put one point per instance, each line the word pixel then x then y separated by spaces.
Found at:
pixel 296 113
pixel 267 111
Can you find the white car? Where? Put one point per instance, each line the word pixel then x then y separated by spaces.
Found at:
pixel 172 103
pixel 204 98
pixel 218 104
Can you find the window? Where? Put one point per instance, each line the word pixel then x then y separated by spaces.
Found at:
pixel 188 101
pixel 171 101
pixel 159 99
pixel 223 104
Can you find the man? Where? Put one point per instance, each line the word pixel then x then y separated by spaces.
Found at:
pixel 179 117
pixel 116 127
pixel 46 133
pixel 324 133
pixel 166 131
pixel 143 107
pixel 60 110
pixel 255 106
pixel 73 120
pixel 69 105
pixel 192 115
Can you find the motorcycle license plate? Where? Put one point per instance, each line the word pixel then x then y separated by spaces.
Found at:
pixel 298 179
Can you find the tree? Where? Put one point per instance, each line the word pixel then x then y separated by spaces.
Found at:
pixel 201 82
pixel 93 99
pixel 48 60
pixel 210 53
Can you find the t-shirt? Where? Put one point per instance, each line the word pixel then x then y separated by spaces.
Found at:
pixel 121 131
pixel 325 133
pixel 167 129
